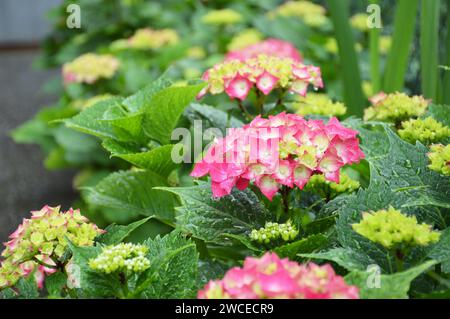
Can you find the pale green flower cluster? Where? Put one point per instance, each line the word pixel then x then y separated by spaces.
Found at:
pixel 124 257
pixel 390 228
pixel 222 17
pixel 440 159
pixel 318 184
pixel 312 14
pixel 319 104
pixel 274 231
pixel 359 22
pixel 244 39
pixel 396 107
pixel 426 131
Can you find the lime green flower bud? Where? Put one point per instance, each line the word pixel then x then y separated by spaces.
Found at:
pixel 440 159
pixel 426 131
pixel 329 190
pixel 390 228
pixel 222 17
pixel 395 107
pixel 274 231
pixel 124 258
pixel 319 104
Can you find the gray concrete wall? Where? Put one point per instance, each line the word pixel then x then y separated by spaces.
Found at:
pixel 24 20
pixel 24 183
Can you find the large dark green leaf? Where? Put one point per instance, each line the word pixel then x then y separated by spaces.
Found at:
pixel 391 286
pixel 347 258
pixel 174 268
pixel 165 109
pixel 209 219
pixel 132 192
pixel 157 160
pixel 116 234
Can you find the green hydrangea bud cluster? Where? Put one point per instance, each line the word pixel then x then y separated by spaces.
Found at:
pixel 43 238
pixel 391 229
pixel 273 231
pixel 440 159
pixel 124 257
pixel 329 190
pixel 426 131
pixel 319 104
pixel 395 107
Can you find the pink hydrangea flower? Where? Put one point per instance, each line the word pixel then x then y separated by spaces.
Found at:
pixel 284 149
pixel 272 277
pixel 271 47
pixel 265 73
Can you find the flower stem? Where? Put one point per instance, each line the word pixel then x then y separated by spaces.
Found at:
pixel 248 116
pixel 285 192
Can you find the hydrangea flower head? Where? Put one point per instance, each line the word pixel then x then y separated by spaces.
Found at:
pixel 149 39
pixel 265 73
pixel 43 237
pixel 124 257
pixel 330 190
pixel 426 131
pixel 284 149
pixel 269 47
pixel 395 107
pixel 390 228
pixel 222 17
pixel 319 104
pixel 310 13
pixel 89 68
pixel 272 232
pixel 440 159
pixel 270 277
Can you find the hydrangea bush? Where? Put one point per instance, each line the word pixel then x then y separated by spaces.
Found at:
pixel 279 193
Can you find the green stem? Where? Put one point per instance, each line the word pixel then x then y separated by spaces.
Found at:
pixel 260 99
pixel 45 264
pixel 439 279
pixel 285 192
pixel 247 115
pixel 399 256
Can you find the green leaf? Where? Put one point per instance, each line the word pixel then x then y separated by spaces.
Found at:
pixel 399 178
pixel 157 160
pixel 351 76
pixel 210 270
pixel 142 98
pixel 441 250
pixel 89 121
pixel 174 268
pixel 209 219
pixel 211 117
pixel 86 281
pixel 128 126
pixel 429 47
pixel 304 245
pixel 116 234
pixel 165 109
pixel 55 283
pixel 27 288
pixel 133 192
pixel 440 113
pixel 347 258
pixel 391 286
pixel 404 29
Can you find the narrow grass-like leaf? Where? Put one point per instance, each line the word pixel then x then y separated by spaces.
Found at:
pixel 404 27
pixel 446 79
pixel 429 46
pixel 375 56
pixel 353 95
